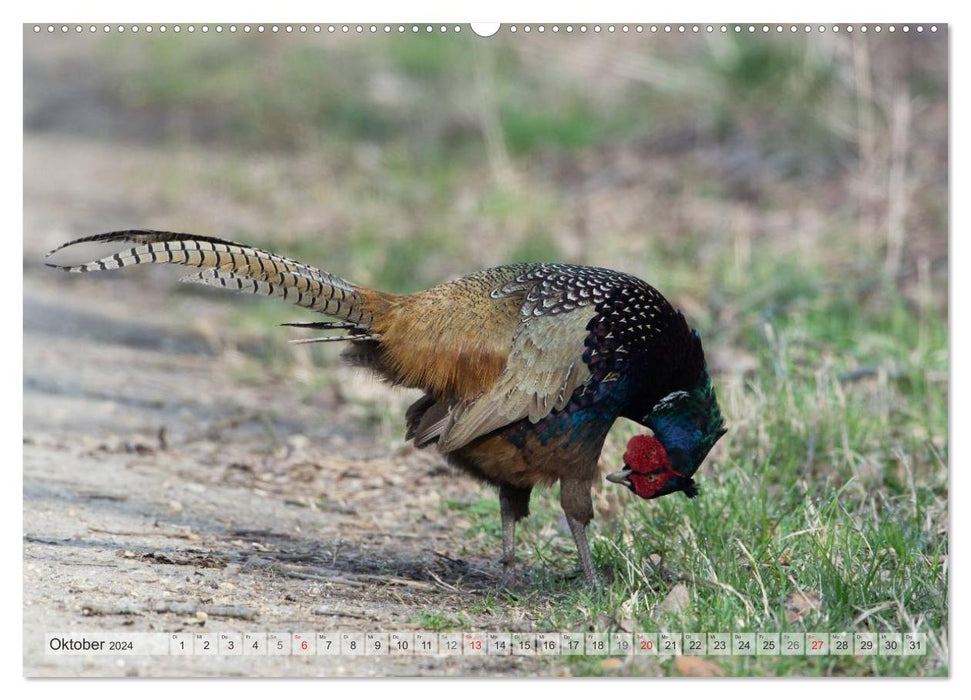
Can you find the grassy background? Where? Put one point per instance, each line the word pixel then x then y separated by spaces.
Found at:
pixel 788 192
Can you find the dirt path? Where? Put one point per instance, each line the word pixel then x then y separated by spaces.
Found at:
pixel 164 494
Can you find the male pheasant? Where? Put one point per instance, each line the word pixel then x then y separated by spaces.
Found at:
pixel 524 367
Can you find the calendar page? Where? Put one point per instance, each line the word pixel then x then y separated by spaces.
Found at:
pixel 553 349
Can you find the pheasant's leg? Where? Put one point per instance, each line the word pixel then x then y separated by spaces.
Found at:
pixel 579 531
pixel 578 508
pixel 508 532
pixel 513 505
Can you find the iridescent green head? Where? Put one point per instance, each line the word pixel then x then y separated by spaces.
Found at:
pixel 688 424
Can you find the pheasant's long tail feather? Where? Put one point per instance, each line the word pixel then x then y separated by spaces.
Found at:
pixel 322 325
pixel 355 331
pixel 240 268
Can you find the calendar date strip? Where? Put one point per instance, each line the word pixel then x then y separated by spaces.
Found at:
pixel 427 643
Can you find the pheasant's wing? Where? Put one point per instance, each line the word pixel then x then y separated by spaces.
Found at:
pixel 545 366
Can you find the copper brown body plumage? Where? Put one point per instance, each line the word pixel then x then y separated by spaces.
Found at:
pixel 524 367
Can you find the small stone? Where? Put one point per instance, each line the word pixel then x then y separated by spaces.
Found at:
pixel 143 575
pixel 800 603
pixel 697 667
pixel 298 441
pixel 675 601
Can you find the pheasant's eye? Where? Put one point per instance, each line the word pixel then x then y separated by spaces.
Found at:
pixel 652 478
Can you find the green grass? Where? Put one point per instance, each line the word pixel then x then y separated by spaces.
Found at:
pixel 436 621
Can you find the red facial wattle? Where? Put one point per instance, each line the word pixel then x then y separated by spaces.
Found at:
pixel 648 485
pixel 648 472
pixel 645 454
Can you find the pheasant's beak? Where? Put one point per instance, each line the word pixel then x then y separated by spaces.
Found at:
pixel 621 476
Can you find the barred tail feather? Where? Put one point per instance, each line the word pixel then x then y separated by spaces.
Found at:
pixel 297 289
pixel 234 266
